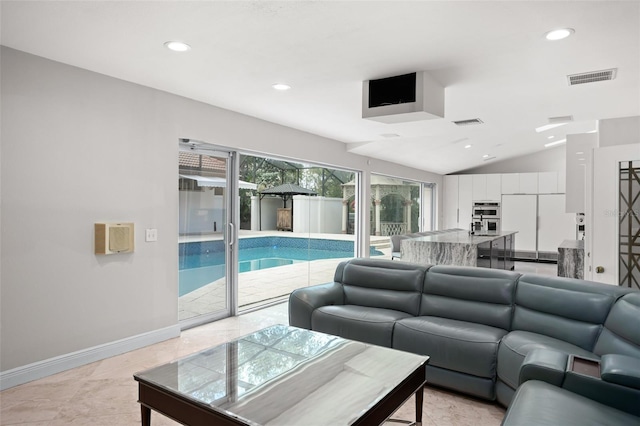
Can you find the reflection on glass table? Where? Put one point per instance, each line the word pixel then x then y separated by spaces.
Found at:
pixel 286 375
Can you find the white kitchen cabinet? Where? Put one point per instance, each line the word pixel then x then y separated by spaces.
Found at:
pixel 487 187
pixel 494 187
pixel 562 182
pixel 458 201
pixel 548 182
pixel 519 183
pixel 479 187
pixel 450 202
pixel 510 183
pixel 465 201
pixel 528 183
pixel 519 213
pixel 554 225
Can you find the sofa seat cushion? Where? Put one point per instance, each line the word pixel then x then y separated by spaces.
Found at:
pixel 539 403
pixel 455 345
pixel 362 323
pixel 515 346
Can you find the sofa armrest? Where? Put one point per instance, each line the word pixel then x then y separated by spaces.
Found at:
pixel 621 370
pixel 303 301
pixel 544 365
pixel 595 387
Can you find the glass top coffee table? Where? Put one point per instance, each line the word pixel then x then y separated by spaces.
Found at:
pixel 284 375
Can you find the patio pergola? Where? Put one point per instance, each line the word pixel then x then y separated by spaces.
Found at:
pixel 286 191
pixel 381 186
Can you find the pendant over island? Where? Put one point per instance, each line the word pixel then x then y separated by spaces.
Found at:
pixel 488 249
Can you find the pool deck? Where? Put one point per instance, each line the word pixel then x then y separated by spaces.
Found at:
pixel 377 241
pixel 267 285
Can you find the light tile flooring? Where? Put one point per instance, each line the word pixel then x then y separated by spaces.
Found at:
pixel 105 393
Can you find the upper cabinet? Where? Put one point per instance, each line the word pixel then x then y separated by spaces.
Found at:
pixel 510 183
pixel 494 187
pixel 530 183
pixel 487 187
pixel 548 182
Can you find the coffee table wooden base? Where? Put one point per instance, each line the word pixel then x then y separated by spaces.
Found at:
pixel 189 413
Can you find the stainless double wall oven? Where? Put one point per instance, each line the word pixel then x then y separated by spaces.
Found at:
pixel 486 215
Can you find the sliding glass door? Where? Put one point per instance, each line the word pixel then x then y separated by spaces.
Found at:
pixel 207 240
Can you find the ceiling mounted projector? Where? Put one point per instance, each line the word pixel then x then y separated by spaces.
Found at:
pixel 402 98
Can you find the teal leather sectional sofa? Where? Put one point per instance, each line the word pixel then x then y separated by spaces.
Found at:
pixel 487 332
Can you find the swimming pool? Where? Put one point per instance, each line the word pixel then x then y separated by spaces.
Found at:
pixel 201 263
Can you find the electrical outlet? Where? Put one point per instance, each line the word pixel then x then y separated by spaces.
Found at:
pixel 151 235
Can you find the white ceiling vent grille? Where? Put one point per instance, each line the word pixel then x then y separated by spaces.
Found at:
pixel 592 77
pixel 562 119
pixel 468 122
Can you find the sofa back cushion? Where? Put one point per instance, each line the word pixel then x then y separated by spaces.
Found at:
pixel 621 332
pixel 382 283
pixel 478 295
pixel 563 308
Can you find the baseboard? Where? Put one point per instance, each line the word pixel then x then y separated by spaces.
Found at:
pixel 48 367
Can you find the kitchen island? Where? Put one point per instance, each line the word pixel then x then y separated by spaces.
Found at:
pixel 490 249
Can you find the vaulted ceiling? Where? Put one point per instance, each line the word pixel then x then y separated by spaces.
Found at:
pixel 491 57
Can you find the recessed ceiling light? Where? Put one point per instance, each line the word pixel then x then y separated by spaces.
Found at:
pixel 579 153
pixel 389 135
pixel 485 156
pixel 177 46
pixel 467 146
pixel 281 86
pixel 580 159
pixel 547 145
pixel 559 34
pixel 550 137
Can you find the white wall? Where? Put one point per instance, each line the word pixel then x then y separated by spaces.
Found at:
pixel 268 213
pixel 549 160
pixel 200 212
pixel 317 214
pixel 618 131
pixel 87 148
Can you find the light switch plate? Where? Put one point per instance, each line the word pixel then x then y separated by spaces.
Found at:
pixel 151 234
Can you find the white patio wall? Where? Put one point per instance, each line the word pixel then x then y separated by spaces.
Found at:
pixel 317 214
pixel 200 212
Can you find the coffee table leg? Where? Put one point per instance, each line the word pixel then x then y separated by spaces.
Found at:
pixel 419 400
pixel 146 415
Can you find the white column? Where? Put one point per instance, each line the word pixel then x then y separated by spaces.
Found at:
pixel 255 213
pixel 407 214
pixel 377 203
pixel 345 215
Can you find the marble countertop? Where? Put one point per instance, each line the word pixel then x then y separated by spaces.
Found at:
pixel 461 237
pixel 572 244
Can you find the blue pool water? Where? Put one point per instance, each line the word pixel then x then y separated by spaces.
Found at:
pixel 203 262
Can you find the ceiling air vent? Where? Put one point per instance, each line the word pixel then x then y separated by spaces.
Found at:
pixel 592 77
pixel 468 122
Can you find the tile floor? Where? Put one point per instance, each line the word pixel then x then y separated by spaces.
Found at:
pixel 105 393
